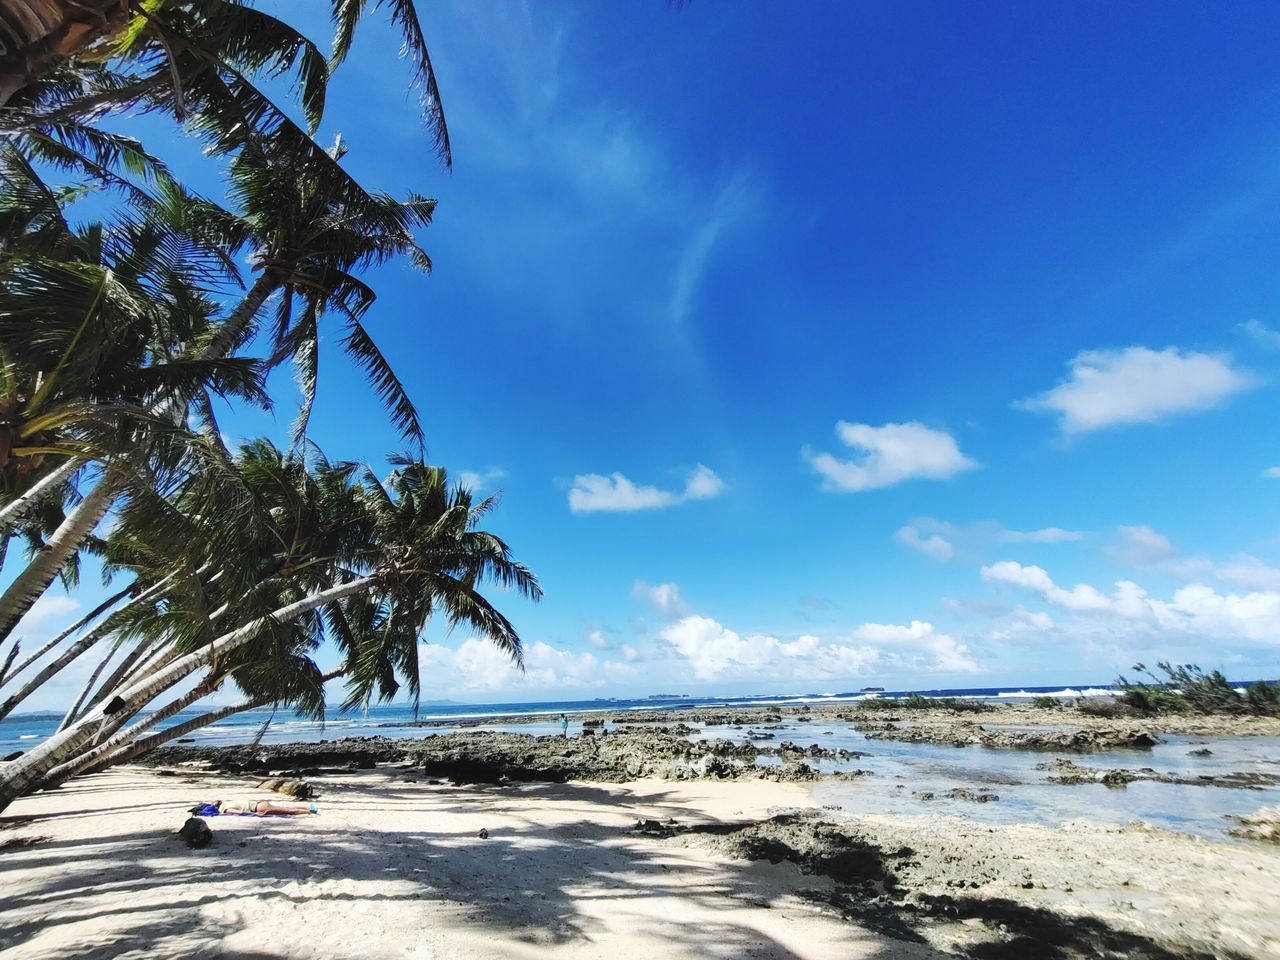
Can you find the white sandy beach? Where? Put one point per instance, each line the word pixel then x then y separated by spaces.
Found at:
pixel 391 869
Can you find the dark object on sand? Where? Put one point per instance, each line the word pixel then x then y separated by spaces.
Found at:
pixel 483 834
pixel 298 789
pixel 1202 752
pixel 13 756
pixel 195 833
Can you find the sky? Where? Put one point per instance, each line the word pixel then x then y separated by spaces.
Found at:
pixel 914 345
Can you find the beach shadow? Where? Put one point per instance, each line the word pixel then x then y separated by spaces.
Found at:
pixel 525 888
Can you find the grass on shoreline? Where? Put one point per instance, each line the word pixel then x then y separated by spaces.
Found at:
pixel 1185 688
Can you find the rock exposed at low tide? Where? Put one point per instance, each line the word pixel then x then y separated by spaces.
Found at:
pixel 1263 825
pixel 486 757
pixel 963 733
pixel 1066 772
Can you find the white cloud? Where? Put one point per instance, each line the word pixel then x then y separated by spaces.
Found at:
pixel 888 455
pixel 1260 332
pixel 932 650
pixel 716 653
pixel 1272 472
pixel 1138 385
pixel 932 546
pixel 594 493
pixel 1141 546
pixel 597 640
pixel 478 481
pixel 665 597
pixel 1082 597
pixel 48 607
pixel 477 665
pixel 1196 611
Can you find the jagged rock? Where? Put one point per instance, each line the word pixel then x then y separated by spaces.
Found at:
pixel 1066 772
pixel 1263 825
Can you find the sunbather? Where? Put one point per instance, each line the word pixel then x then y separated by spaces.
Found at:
pixel 247 806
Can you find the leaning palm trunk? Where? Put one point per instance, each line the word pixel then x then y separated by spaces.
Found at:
pixel 40 34
pixel 105 628
pixel 136 749
pixel 14 510
pixel 19 776
pixel 32 582
pixel 76 627
pixel 118 675
pixel 229 332
pixel 64 772
pixel 88 687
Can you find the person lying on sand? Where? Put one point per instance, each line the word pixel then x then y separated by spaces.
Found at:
pixel 250 807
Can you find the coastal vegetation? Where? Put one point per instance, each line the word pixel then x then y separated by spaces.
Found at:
pixel 1186 688
pixel 133 311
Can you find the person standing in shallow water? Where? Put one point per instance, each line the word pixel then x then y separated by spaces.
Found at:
pixel 564 725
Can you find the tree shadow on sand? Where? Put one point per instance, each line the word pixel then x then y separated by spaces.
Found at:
pixel 524 888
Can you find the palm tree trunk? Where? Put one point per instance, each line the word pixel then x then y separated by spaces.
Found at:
pixel 16 778
pixel 12 511
pixel 229 332
pixel 32 582
pixel 65 771
pixel 117 676
pixel 87 688
pixel 38 35
pixel 77 648
pixel 136 749
pixel 74 628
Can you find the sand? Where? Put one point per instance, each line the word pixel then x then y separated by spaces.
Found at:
pixel 395 869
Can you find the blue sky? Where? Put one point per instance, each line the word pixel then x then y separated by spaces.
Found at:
pixel 910 344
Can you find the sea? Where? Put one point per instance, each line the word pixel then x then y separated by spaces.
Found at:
pixel 905 778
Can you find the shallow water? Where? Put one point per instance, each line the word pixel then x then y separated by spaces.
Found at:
pixel 901 769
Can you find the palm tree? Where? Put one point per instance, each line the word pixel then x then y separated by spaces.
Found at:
pixel 93 55
pixel 377 559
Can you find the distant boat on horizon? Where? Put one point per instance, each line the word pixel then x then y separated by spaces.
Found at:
pixel 668 696
pixel 872 690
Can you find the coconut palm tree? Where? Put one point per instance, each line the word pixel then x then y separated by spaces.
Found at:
pixel 377 559
pixel 101 54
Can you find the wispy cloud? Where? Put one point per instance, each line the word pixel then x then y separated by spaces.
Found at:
pixel 1260 333
pixel 597 493
pixel 663 597
pixel 480 480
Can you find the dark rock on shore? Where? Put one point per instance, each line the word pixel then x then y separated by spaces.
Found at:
pixel 298 759
pixel 966 733
pixel 1066 772
pixel 486 757
pixel 959 793
pixel 1263 825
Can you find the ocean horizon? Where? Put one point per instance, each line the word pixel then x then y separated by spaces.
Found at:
pixel 22 731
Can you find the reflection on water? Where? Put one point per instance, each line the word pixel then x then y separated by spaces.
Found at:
pixel 902 769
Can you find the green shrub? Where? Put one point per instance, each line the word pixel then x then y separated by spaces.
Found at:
pixel 1264 697
pixel 1186 688
pixel 1046 703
